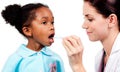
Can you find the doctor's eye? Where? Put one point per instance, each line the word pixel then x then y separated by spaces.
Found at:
pixel 90 20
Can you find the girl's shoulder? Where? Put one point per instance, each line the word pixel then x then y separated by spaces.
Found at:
pixel 12 63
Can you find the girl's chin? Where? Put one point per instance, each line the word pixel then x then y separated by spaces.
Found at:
pixel 50 43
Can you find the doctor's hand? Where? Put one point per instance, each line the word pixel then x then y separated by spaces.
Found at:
pixel 74 49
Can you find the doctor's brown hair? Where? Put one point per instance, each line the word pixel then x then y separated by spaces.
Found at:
pixel 107 7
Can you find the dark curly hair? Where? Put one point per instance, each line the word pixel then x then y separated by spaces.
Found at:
pixel 20 16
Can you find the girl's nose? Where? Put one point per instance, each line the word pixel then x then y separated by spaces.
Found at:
pixel 51 26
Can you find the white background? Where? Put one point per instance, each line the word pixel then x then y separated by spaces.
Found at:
pixel 68 21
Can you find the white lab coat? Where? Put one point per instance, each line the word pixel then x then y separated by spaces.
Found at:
pixel 113 63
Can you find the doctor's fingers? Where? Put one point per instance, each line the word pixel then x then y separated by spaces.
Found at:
pixel 70 48
pixel 75 42
pixel 78 41
pixel 66 48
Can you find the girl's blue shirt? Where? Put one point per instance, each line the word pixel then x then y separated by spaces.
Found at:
pixel 26 60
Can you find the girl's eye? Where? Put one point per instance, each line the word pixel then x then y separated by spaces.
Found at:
pixel 52 22
pixel 44 22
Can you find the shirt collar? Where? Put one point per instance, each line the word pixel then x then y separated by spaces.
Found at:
pixel 116 45
pixel 23 51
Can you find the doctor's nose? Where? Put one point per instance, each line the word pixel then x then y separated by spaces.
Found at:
pixel 85 26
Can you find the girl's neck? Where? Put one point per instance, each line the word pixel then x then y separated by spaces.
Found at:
pixel 33 45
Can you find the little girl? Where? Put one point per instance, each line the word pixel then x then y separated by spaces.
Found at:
pixel 36 22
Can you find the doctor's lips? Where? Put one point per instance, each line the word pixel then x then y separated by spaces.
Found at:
pixel 89 32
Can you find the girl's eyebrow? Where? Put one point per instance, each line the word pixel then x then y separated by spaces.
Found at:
pixel 46 18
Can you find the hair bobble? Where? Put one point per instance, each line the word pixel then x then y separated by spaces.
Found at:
pixel 12 14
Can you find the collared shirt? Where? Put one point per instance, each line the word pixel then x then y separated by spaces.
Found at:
pixel 26 60
pixel 113 63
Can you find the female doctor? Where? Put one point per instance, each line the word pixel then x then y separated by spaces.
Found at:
pixel 102 23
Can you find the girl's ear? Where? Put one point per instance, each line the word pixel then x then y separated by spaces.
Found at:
pixel 112 20
pixel 27 31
